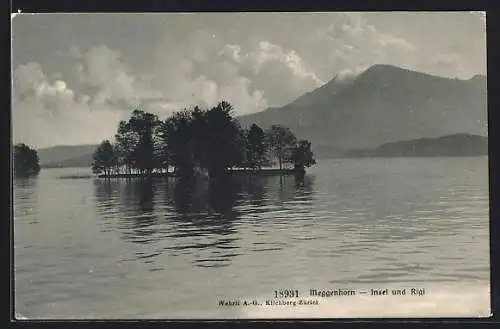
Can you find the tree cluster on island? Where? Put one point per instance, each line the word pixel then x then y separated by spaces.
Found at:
pixel 198 140
pixel 25 161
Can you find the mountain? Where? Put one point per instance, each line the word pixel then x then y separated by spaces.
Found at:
pixel 450 145
pixel 381 105
pixel 66 156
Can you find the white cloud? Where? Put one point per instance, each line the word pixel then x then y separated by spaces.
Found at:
pixel 279 75
pixel 352 42
pixel 193 73
pixel 28 77
pixel 46 112
pixel 201 71
pixel 263 74
pixel 444 62
pixel 103 70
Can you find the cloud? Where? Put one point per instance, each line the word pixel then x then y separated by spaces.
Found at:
pixel 113 82
pixel 351 43
pixel 279 75
pixel 200 70
pixel 46 112
pixel 347 41
pixel 189 73
pixel 444 62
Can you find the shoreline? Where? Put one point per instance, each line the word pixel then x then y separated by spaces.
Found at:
pixel 330 157
pixel 236 172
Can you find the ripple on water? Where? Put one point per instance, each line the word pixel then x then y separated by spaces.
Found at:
pixel 357 222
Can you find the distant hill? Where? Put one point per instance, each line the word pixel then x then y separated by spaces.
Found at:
pixel 77 162
pixel 383 104
pixel 451 145
pixel 66 156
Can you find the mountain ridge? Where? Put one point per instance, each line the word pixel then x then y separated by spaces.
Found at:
pixel 53 156
pixel 443 146
pixel 382 104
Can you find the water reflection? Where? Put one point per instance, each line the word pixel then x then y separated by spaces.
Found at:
pixel 203 220
pixel 187 196
pixel 224 194
pixel 25 198
pixel 107 201
pixel 304 189
pixel 197 220
pixel 304 183
pixel 137 197
pixel 138 211
pixel 285 190
pixel 256 190
pixel 205 198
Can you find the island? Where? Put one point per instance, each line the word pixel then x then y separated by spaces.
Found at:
pixel 199 142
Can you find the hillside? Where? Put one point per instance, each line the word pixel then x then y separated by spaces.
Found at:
pixel 66 156
pixel 381 105
pixel 77 162
pixel 451 145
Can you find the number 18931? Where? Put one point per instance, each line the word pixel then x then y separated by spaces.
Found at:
pixel 286 293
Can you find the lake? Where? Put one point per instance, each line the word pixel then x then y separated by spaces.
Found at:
pixel 86 248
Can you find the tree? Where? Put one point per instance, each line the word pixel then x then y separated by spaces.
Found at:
pixel 126 141
pixel 281 141
pixel 178 142
pixel 210 140
pixel 222 142
pixel 164 155
pixel 26 162
pixel 302 156
pixel 137 142
pixel 255 147
pixel 144 126
pixel 161 158
pixel 104 158
pixel 199 137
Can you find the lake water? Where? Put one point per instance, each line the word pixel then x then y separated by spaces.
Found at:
pixel 86 248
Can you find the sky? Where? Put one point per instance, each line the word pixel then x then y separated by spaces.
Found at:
pixel 76 75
